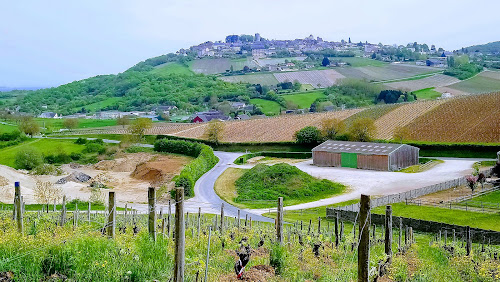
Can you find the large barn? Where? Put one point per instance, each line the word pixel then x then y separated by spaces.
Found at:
pixel 365 155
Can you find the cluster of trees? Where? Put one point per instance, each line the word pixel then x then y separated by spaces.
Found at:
pixel 463 71
pixel 137 91
pixel 396 96
pixel 362 130
pixel 348 93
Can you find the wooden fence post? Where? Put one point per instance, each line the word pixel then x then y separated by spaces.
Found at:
pixel 208 253
pixel 319 225
pixel 388 232
pixel 468 239
pixel 112 215
pixel 364 242
pixel 179 235
pixel 222 218
pixel 238 222
pixel 63 211
pixel 168 218
pixel 152 212
pixel 279 225
pixel 18 207
pixel 336 229
pixel 199 221
pixel 88 211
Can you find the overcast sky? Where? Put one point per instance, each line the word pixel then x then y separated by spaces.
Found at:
pixel 48 43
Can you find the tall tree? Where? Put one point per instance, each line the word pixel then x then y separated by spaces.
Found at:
pixel 214 131
pixel 139 126
pixel 29 126
pixel 332 127
pixel 70 123
pixel 325 62
pixel 362 130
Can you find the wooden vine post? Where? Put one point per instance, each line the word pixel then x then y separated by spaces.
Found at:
pixel 111 215
pixel 17 207
pixel 152 212
pixel 388 232
pixel 179 235
pixel 364 242
pixel 63 211
pixel 279 223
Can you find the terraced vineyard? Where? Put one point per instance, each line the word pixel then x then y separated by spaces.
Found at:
pixel 386 72
pixel 264 79
pixel 464 119
pixel 437 80
pixel 402 116
pixel 371 112
pixel 214 66
pixel 484 82
pixel 317 78
pixel 277 129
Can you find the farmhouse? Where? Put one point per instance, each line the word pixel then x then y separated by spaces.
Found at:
pixel 208 116
pixel 364 155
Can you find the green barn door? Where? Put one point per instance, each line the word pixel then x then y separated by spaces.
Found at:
pixel 349 160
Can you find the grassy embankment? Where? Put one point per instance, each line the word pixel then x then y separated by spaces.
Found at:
pixel 44 146
pixel 261 186
pixel 427 94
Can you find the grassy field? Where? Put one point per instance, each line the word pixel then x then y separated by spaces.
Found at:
pixel 268 107
pixel 100 105
pixel 258 78
pixel 359 61
pixel 450 216
pixel 427 94
pixel 478 84
pixel 224 185
pixel 421 167
pixel 304 100
pixel 172 68
pixel 493 197
pixel 7 128
pixel 56 124
pixel 44 146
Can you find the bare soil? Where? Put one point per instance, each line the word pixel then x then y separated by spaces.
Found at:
pixel 116 174
pixel 256 273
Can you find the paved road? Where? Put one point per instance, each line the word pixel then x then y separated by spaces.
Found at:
pixel 208 200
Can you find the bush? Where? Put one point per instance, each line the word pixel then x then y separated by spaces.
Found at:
pixel 93 147
pixel 61 158
pixel 308 135
pixel 205 160
pixel 28 158
pixel 58 260
pixel 277 257
pixel 46 169
pixel 75 156
pixel 81 141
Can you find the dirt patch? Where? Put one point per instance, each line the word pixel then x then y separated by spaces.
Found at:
pixel 127 163
pixel 256 273
pixel 6 276
pixel 160 170
pixel 447 195
pixel 3 181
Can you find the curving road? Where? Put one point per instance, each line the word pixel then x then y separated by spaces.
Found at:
pixel 206 198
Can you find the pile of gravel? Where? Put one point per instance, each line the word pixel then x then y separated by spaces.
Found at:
pixel 75 177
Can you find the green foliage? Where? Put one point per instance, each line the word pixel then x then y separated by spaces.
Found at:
pixel 352 93
pixel 277 257
pixel 93 147
pixel 46 169
pixel 362 130
pixel 59 158
pixel 264 182
pixel 463 71
pixel 58 260
pixel 395 96
pixel 136 90
pixel 205 160
pixel 28 158
pixel 289 155
pixel 81 141
pixel 308 135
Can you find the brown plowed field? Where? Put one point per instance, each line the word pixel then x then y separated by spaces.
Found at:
pixel 472 118
pixel 277 129
pixel 402 116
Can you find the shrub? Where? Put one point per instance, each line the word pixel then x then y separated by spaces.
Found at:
pixel 277 257
pixel 308 135
pixel 28 158
pixel 46 169
pixel 75 156
pixel 81 141
pixel 58 260
pixel 205 160
pixel 93 147
pixel 61 158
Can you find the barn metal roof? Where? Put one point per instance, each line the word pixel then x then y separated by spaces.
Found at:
pixel 367 148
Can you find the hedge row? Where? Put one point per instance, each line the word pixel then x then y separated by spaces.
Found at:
pixel 205 160
pixel 290 155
